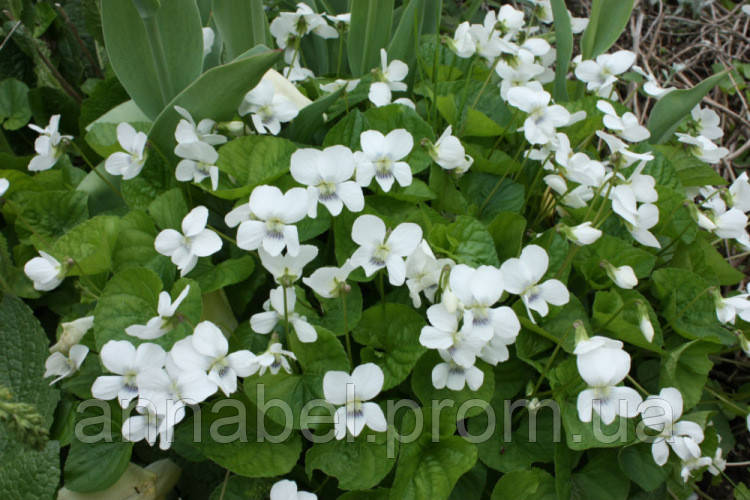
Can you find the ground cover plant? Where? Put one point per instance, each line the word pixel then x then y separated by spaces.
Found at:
pixel 370 249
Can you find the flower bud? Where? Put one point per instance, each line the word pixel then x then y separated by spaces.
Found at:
pixel 647 329
pixel 744 343
pixel 582 234
pixel 623 276
pixel 450 301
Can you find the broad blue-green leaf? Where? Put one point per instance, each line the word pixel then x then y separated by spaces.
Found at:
pixel 431 16
pixel 157 57
pixel 358 465
pixel 127 111
pixel 532 484
pixel 669 111
pixel 369 31
pixel 606 23
pixel 391 334
pixel 226 85
pixel 252 160
pixel 404 41
pixel 563 47
pixel 14 104
pixel 131 297
pixel 241 24
pixel 95 466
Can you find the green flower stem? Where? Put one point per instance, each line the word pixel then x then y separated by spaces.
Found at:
pixel 224 236
pixel 486 81
pixel 528 324
pixel 568 260
pixel 637 385
pixel 381 290
pixel 545 371
pixel 346 327
pixel 741 411
pixel 445 252
pixel 497 186
pixel 99 174
pixel 617 312
pixel 294 56
pixel 286 314
pixel 224 485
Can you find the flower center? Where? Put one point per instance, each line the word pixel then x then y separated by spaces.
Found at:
pixel 130 383
pixel 380 254
pixel 220 365
pixel 383 168
pixel 354 408
pixel 327 190
pixel 532 293
pixel 456 369
pixel 481 317
pixel 275 228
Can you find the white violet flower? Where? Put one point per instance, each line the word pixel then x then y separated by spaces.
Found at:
pixel 377 252
pixel 163 322
pixel 352 393
pixel 381 157
pixel 128 163
pixel 194 241
pixel 327 175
